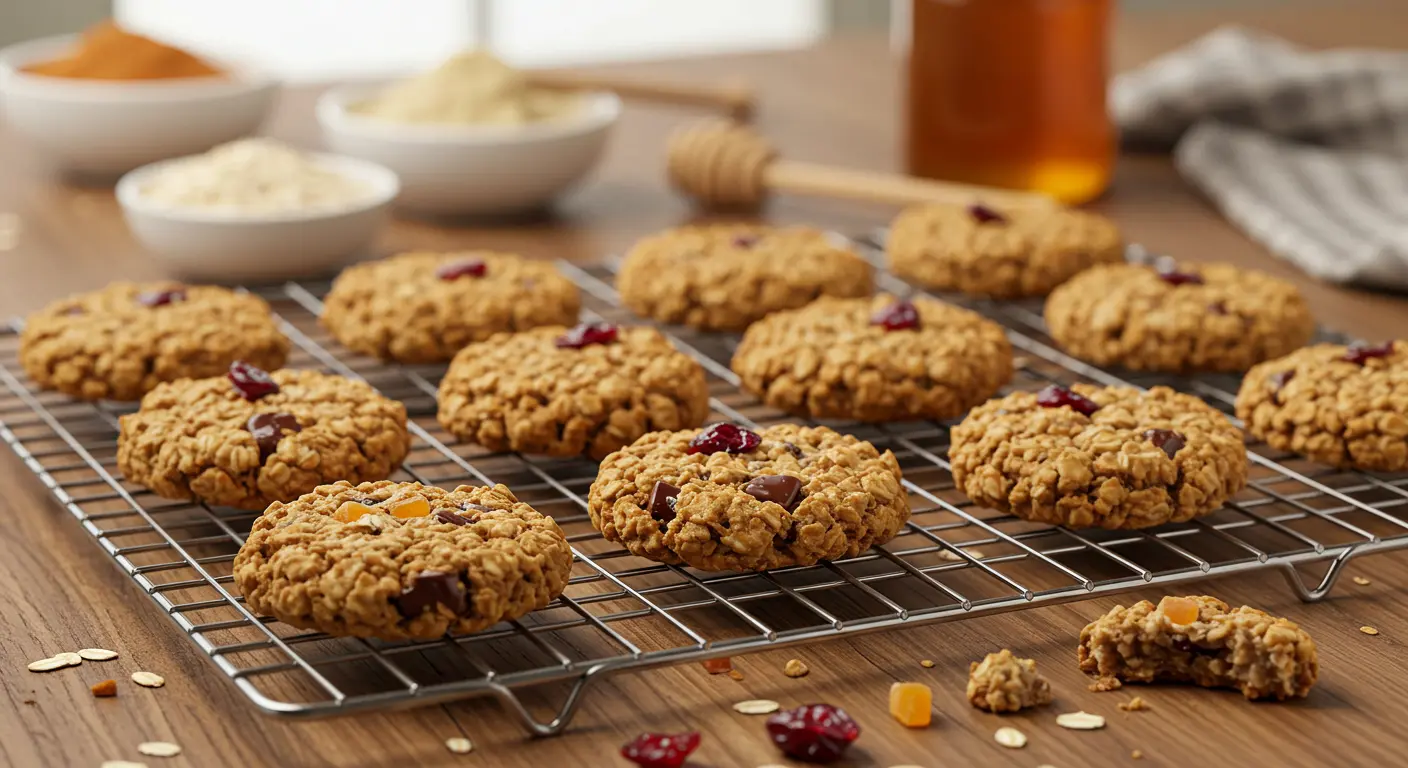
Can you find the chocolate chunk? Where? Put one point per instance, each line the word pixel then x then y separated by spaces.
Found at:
pixel 783 490
pixel 431 588
pixel 268 430
pixel 793 449
pixel 446 516
pixel 1218 307
pixel 662 501
pixel 1166 439
pixel 985 215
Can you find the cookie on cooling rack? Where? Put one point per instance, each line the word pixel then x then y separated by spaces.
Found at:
pixel 721 277
pixel 250 438
pixel 1201 640
pixel 874 359
pixel 120 341
pixel 567 391
pixel 401 560
pixel 1346 406
pixel 727 498
pixel 1178 318
pixel 1099 457
pixel 1004 254
pixel 424 307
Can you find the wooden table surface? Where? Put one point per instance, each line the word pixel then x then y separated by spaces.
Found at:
pixel 837 103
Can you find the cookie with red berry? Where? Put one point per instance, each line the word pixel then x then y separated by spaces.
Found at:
pixel 728 498
pixel 250 438
pixel 1099 457
pixel 590 389
pixel 424 307
pixel 874 359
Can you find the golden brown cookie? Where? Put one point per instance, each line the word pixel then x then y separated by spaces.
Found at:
pixel 874 359
pixel 1178 318
pixel 1002 682
pixel 722 277
pixel 1005 254
pixel 1346 406
pixel 1099 457
pixel 590 389
pixel 424 307
pixel 119 342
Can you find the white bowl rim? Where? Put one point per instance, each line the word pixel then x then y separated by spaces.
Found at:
pixel 385 184
pixel 13 59
pixel 601 110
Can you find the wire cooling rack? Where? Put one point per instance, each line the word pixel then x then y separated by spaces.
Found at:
pixel 619 612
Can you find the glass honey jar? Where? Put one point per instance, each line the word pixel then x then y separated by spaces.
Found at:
pixel 1010 93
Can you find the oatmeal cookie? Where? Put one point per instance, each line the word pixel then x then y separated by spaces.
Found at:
pixel 1343 406
pixel 1099 457
pixel 1200 640
pixel 1178 318
pixel 1001 682
pixel 721 277
pixel 874 359
pixel 727 498
pixel 591 389
pixel 424 307
pixel 251 438
pixel 1003 254
pixel 119 342
pixel 401 560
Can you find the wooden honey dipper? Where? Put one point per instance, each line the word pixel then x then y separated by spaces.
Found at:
pixel 723 164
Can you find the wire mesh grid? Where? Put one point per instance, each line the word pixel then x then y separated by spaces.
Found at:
pixel 620 612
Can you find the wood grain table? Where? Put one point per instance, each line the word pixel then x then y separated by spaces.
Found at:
pixel 836 103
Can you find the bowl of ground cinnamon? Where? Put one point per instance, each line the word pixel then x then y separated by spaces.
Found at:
pixel 110 100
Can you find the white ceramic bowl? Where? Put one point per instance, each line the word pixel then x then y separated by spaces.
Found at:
pixel 108 127
pixel 472 170
pixel 230 246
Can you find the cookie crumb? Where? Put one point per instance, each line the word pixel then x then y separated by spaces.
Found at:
pixel 30 702
pixel 927 663
pixel 148 679
pixel 1137 754
pixel 105 689
pixel 1136 704
pixel 1361 581
pixel 1105 684
pixel 159 749
pixel 795 668
pixel 1003 682
pixel 1369 630
pixel 459 745
pixel 735 675
pixel 1010 738
pixel 757 707
pixel 719 666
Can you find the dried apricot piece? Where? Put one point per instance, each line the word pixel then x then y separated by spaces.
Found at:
pixel 417 507
pixel 351 512
pixel 911 704
pixel 1179 610
pixel 719 666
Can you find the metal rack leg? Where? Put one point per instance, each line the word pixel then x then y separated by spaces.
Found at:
pixel 564 713
pixel 1327 582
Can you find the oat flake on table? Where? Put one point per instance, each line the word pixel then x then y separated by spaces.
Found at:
pixel 757 707
pixel 1080 721
pixel 159 749
pixel 459 745
pixel 96 654
pixel 1010 737
pixel 148 679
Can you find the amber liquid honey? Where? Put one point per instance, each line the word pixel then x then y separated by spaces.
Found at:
pixel 1011 93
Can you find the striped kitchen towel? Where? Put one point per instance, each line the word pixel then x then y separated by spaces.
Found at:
pixel 1305 151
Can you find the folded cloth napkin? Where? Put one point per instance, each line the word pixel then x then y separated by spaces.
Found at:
pixel 1306 151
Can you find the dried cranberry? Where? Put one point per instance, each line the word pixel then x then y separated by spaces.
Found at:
pixel 662 501
pixel 1218 307
pixel 1169 273
pixel 816 733
pixel 161 298
pixel 463 268
pixel 985 215
pixel 431 588
pixel 783 490
pixel 1278 381
pixel 793 449
pixel 1055 397
pixel 661 750
pixel 268 430
pixel 252 383
pixel 1359 352
pixel 587 333
pixel 744 241
pixel 1166 439
pixel 726 437
pixel 899 316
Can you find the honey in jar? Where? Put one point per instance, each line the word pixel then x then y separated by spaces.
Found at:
pixel 1011 93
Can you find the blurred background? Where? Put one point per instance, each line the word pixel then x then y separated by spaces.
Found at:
pixel 320 39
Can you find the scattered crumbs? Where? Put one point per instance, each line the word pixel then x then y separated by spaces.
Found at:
pixel 105 689
pixel 1105 684
pixel 159 749
pixel 795 668
pixel 1369 630
pixel 718 666
pixel 1136 704
pixel 927 663
pixel 735 675
pixel 459 745
pixel 30 702
pixel 1361 581
pixel 1137 754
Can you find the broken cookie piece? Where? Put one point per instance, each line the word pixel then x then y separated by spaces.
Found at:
pixel 1001 682
pixel 1200 640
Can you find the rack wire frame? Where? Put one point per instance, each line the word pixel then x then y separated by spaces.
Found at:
pixel 952 561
